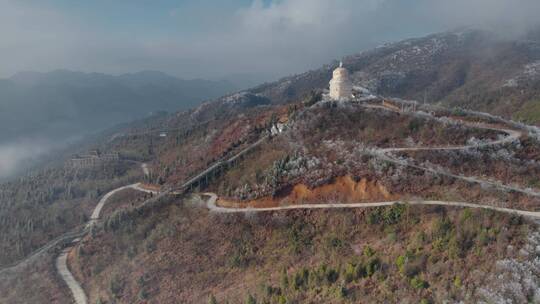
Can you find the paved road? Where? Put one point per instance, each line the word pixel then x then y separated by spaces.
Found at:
pixel 511 136
pixel 386 154
pixel 61 262
pixel 97 210
pixel 76 290
pixel 211 205
pixel 80 297
pixel 76 232
pixel 67 237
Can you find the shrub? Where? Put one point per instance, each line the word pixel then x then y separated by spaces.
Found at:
pixel 131 252
pixel 392 236
pixel 421 238
pixel 284 280
pixel 350 273
pixel 454 250
pixel 360 271
pixel 372 266
pixel 251 299
pixel 458 112
pixel 368 251
pixel 418 283
pixel 457 282
pixel 400 263
pixel 117 220
pixel 415 124
pixel 312 98
pixel 442 227
pixel 334 242
pixel 439 244
pixel 143 294
pixel 299 237
pixel 319 275
pixel 242 253
pixel 373 218
pixel 393 214
pixel 342 291
pixel 466 214
pixel 212 300
pixel 270 290
pixel 483 237
pixel 298 281
pixel 332 275
pixel 409 264
pixel 116 286
pixel 388 216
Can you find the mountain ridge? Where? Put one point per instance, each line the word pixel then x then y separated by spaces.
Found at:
pixel 37 102
pixel 462 68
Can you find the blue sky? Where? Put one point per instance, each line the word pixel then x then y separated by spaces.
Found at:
pixel 217 38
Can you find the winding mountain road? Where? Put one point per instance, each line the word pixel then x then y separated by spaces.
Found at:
pixel 211 205
pixel 61 262
pixel 511 136
pixel 62 268
pixel 97 210
pixel 80 297
pixel 385 154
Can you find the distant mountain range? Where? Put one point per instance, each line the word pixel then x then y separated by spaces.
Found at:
pixel 63 104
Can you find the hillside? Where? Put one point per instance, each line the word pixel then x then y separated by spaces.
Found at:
pixel 179 251
pixel 304 199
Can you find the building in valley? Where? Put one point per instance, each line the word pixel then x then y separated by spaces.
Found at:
pixel 92 159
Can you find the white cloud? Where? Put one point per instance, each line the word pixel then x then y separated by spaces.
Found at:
pixel 283 37
pixel 14 157
pixel 294 35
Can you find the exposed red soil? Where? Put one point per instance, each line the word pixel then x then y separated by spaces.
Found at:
pixel 343 189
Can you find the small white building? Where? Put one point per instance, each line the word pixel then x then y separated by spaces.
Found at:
pixel 340 85
pixel 277 128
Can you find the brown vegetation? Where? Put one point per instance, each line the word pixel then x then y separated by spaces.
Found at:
pixel 184 254
pixel 36 282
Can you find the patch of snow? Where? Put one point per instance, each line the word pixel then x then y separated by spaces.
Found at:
pixel 530 72
pixel 532 69
pixel 236 98
pixel 516 280
pixel 511 83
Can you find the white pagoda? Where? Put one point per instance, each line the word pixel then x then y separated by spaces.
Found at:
pixel 340 85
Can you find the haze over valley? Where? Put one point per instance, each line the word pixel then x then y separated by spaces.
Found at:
pixel 270 151
pixel 43 111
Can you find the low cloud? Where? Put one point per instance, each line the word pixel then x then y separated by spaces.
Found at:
pixel 17 156
pixel 290 36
